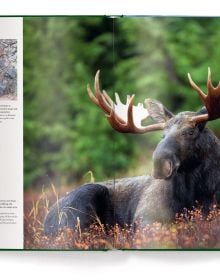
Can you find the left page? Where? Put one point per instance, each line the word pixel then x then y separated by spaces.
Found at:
pixel 11 131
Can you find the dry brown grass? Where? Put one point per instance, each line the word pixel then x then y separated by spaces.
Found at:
pixel 190 230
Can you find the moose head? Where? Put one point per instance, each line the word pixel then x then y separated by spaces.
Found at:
pixel 182 141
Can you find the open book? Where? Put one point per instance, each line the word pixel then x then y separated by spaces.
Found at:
pixel 83 167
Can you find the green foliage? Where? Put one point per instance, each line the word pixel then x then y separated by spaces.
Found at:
pixel 65 136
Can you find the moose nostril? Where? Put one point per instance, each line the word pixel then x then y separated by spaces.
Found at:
pixel 167 167
pixel 163 169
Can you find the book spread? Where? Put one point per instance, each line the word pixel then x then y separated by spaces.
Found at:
pixel 109 133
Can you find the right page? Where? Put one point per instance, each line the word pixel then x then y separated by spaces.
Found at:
pixel 170 194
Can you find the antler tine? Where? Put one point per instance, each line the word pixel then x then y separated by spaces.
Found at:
pixel 197 89
pixel 209 81
pixel 211 89
pixel 211 100
pixel 108 98
pixel 130 113
pixel 100 97
pixel 92 96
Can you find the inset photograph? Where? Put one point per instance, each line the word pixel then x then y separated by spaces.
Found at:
pixel 8 69
pixel 109 171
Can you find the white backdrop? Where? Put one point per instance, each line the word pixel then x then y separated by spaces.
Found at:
pixel 116 264
pixel 110 265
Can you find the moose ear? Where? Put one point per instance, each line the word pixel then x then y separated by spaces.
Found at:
pixel 157 111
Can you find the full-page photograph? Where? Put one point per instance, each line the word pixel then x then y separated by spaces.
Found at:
pixel 118 143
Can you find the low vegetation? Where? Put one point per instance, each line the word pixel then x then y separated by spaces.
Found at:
pixel 191 230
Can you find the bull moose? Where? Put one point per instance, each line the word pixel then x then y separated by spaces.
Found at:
pixel 185 166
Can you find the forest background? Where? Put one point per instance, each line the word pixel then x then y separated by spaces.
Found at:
pixel 67 139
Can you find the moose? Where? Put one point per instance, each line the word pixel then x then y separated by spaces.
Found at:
pixel 185 166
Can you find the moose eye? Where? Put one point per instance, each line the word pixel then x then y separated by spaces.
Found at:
pixel 188 132
pixel 191 131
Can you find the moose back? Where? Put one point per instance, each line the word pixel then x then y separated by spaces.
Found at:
pixel 185 167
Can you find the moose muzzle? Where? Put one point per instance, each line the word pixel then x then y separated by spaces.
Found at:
pixel 165 159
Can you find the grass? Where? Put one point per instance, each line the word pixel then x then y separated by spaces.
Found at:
pixel 190 230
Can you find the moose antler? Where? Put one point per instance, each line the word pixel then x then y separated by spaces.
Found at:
pixel 211 100
pixel 126 118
